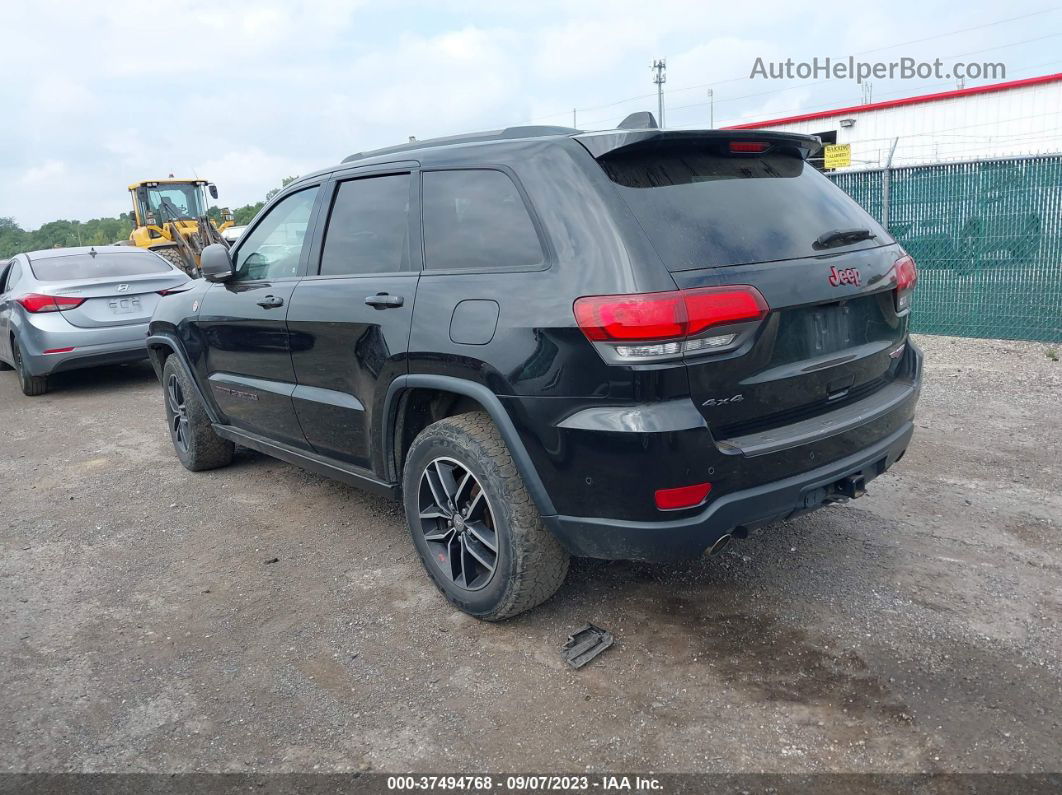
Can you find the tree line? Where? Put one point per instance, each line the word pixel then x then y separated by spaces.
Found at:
pixel 98 231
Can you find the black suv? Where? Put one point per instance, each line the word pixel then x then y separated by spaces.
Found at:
pixel 626 344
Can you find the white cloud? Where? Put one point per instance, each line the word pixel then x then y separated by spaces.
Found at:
pixel 245 175
pixel 45 174
pixel 246 95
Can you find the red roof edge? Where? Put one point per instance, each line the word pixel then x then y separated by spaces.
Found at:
pixel 895 103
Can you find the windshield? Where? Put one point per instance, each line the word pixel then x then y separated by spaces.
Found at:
pixel 70 267
pixel 173 202
pixel 703 209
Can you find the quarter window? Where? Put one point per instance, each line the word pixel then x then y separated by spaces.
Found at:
pixel 10 278
pixel 368 229
pixel 273 248
pixel 476 219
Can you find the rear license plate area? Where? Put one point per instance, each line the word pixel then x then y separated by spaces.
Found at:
pixel 125 306
pixel 810 331
pixel 829 328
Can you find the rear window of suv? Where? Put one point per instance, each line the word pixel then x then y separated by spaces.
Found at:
pixel 85 266
pixel 702 209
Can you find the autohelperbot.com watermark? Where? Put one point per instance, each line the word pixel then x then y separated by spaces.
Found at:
pixel 850 69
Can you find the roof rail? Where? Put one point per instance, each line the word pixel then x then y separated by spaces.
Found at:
pixel 524 131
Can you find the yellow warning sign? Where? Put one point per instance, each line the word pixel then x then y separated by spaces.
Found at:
pixel 837 156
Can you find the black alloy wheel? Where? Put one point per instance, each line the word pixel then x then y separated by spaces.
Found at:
pixel 458 524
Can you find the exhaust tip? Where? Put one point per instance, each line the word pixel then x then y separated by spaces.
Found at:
pixel 720 544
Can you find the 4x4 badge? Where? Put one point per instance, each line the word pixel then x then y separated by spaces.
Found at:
pixel 844 276
pixel 723 401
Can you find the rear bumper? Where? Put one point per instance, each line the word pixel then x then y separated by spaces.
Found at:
pixel 690 536
pixel 91 347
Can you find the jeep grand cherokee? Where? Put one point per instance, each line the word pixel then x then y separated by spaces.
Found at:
pixel 631 344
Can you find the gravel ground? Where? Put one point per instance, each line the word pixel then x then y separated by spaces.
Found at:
pixel 916 629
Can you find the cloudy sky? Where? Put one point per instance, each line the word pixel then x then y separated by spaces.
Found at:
pixel 97 95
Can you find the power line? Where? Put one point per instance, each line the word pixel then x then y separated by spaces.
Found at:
pixel 832 105
pixel 821 82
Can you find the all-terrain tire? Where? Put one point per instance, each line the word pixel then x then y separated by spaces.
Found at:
pixel 531 562
pixel 192 434
pixel 32 385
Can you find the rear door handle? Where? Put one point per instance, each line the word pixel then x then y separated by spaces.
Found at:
pixel 271 301
pixel 384 301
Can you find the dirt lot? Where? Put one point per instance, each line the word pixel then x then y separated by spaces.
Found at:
pixel 916 629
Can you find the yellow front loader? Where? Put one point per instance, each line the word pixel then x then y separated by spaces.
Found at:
pixel 171 219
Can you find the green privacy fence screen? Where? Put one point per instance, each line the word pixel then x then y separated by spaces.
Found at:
pixel 987 237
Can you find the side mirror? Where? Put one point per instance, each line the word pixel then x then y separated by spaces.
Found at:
pixel 213 190
pixel 216 264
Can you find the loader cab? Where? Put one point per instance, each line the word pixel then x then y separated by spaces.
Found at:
pixel 160 202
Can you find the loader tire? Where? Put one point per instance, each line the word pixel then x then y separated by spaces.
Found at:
pixel 173 255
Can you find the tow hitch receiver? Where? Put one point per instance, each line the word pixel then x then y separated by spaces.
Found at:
pixel 852 486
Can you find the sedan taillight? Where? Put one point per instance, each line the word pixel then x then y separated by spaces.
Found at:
pixel 34 302
pixel 178 289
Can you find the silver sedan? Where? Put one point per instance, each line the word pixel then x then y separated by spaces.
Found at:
pixel 68 308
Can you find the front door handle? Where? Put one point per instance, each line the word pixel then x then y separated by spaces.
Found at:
pixel 271 301
pixel 384 301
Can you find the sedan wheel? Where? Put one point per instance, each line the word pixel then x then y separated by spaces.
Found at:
pixel 32 385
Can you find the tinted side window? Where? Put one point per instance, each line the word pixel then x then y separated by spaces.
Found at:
pixel 368 229
pixel 477 219
pixel 273 248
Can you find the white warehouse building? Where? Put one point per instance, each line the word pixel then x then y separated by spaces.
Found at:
pixel 1019 117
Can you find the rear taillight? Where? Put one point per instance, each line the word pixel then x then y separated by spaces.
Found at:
pixel 34 302
pixel 652 326
pixel 906 279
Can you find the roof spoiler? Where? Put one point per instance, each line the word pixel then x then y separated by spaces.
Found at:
pixel 600 144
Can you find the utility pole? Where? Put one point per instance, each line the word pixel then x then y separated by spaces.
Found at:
pixel 711 109
pixel 660 66
pixel 575 123
pixel 886 185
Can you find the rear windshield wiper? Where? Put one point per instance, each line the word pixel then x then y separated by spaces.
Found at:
pixel 842 237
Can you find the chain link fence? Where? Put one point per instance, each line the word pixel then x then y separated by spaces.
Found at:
pixel 987 237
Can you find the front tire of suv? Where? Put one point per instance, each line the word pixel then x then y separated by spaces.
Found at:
pixel 477 531
pixel 32 385
pixel 193 437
